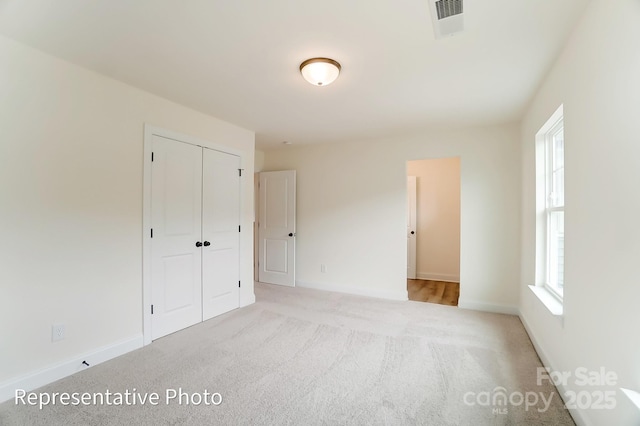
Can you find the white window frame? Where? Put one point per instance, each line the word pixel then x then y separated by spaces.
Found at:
pixel 546 292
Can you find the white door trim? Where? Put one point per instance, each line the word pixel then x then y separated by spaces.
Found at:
pixel 149 132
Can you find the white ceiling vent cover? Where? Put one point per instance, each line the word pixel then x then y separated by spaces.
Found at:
pixel 447 17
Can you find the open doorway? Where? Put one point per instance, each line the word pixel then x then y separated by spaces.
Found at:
pixel 433 230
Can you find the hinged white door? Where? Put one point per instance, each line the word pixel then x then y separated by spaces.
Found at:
pixel 176 194
pixel 411 226
pixel 277 227
pixel 220 233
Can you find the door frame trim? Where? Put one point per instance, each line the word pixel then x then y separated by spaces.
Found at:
pixel 149 132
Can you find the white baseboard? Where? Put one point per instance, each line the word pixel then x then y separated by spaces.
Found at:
pixel 578 416
pixel 488 307
pixel 438 277
pixel 55 372
pixel 379 294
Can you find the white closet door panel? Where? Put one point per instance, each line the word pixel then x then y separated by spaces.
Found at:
pixel 176 205
pixel 220 229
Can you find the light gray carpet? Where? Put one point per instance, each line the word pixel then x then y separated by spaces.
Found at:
pixel 306 357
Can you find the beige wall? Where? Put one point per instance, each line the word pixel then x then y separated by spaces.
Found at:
pixel 259 161
pixel 71 205
pixel 597 79
pixel 352 202
pixel 438 218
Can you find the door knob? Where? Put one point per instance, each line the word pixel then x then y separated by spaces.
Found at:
pixel 207 243
pixel 198 244
pixel 412 232
pixel 291 234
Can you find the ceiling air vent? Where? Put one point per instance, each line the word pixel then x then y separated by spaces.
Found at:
pixel 447 17
pixel 448 8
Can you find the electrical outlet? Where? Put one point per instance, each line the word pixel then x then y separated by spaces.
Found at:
pixel 58 332
pixel 323 268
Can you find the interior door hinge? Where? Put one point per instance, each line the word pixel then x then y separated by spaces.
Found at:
pixel 151 232
pixel 151 309
pixel 152 157
pixel 240 171
pixel 239 230
pixel 238 284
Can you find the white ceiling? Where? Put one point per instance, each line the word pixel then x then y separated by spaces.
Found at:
pixel 238 59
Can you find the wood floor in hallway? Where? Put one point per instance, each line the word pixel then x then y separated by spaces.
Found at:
pixel 440 292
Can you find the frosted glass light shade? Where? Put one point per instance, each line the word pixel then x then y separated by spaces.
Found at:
pixel 320 71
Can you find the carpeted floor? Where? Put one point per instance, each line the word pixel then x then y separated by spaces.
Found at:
pixel 306 357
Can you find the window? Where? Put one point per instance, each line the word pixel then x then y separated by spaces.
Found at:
pixel 550 206
pixel 554 177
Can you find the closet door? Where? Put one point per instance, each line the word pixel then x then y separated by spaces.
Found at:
pixel 220 233
pixel 176 261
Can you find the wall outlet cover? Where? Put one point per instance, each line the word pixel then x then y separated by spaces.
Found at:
pixel 57 332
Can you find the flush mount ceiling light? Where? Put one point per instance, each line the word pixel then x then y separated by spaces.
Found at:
pixel 320 71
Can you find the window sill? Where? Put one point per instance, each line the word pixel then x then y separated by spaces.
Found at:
pixel 549 300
